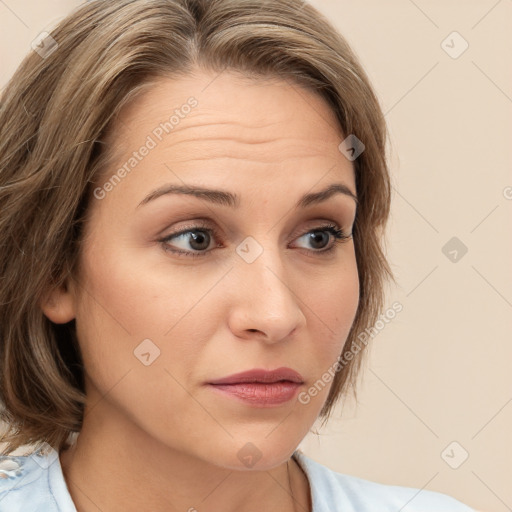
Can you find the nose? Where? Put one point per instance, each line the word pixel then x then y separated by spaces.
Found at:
pixel 263 303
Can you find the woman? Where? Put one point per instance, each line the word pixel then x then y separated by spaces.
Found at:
pixel 193 198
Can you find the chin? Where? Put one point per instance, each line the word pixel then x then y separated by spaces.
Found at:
pixel 254 455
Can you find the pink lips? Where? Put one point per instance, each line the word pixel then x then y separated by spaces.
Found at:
pixel 260 387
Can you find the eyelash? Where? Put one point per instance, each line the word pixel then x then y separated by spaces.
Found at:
pixel 339 237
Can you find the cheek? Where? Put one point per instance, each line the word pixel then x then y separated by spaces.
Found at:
pixel 332 308
pixel 133 296
pixel 332 305
pixel 133 326
pixel 128 299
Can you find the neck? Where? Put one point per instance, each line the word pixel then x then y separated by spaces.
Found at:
pixel 116 466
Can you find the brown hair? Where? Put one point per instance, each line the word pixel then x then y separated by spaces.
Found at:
pixel 58 107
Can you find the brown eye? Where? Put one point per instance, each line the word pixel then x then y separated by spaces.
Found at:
pixel 191 240
pixel 319 237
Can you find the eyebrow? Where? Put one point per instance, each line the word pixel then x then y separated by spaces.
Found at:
pixel 226 198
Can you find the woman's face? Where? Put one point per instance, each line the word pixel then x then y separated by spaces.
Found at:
pixel 261 283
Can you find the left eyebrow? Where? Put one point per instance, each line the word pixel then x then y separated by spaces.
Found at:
pixel 326 193
pixel 225 198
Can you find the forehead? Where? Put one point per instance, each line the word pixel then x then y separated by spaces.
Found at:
pixel 256 109
pixel 239 131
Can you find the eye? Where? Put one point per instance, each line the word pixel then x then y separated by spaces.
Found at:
pixel 193 241
pixel 320 237
pixel 196 240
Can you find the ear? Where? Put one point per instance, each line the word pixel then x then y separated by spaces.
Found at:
pixel 59 304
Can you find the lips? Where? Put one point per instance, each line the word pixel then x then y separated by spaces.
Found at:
pixel 258 375
pixel 259 394
pixel 259 387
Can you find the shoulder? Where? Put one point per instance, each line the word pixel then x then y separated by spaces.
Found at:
pixel 332 491
pixel 33 483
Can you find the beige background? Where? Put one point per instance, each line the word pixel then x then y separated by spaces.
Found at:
pixel 440 371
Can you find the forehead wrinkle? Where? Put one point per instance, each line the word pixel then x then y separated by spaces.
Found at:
pixel 276 150
pixel 247 136
pixel 236 131
pixel 153 114
pixel 237 139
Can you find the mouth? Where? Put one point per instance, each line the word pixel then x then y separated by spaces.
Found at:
pixel 260 388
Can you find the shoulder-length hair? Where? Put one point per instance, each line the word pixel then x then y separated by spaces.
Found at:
pixel 58 107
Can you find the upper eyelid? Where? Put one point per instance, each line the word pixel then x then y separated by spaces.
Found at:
pixel 322 224
pixel 320 220
pixel 208 225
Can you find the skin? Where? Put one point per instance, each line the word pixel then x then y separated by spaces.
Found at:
pixel 156 437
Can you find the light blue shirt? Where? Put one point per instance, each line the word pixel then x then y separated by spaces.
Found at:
pixel 35 483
